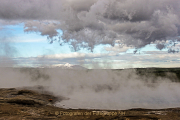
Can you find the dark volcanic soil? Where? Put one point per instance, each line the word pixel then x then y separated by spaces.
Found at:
pixel 23 104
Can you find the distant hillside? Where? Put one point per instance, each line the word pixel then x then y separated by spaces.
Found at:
pixel 171 73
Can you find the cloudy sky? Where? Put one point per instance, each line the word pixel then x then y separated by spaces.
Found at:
pixel 92 33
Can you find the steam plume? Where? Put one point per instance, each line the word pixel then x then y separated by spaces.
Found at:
pixel 98 89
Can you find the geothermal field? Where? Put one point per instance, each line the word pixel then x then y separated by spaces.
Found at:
pixel 55 93
pixel 89 59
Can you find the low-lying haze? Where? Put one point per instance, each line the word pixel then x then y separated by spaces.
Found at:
pixel 100 89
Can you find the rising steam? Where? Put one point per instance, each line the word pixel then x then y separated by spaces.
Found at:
pixel 99 89
pixel 85 24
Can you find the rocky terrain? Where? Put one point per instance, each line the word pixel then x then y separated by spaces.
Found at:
pixel 26 104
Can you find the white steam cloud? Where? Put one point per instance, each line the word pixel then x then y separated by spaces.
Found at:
pixel 99 89
pixel 87 23
pixel 7 51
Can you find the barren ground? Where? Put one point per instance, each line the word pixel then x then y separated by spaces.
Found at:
pixel 23 104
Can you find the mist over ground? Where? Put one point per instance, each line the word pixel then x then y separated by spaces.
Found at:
pixel 99 89
pixel 87 24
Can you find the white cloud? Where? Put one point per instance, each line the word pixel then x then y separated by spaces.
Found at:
pixel 74 55
pixel 30 40
pixel 117 48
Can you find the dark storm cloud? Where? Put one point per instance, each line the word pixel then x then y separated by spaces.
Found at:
pixel 86 23
pixel 160 46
